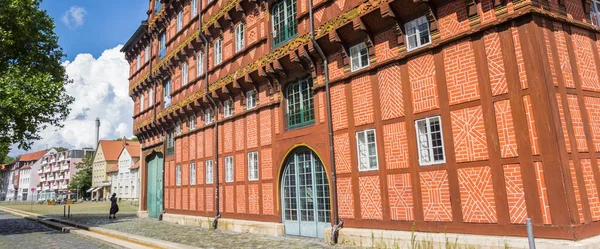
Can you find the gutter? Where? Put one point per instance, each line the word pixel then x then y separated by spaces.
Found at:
pixel 216 114
pixel 336 220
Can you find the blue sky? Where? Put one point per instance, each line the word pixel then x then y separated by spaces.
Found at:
pixel 105 24
pixel 90 33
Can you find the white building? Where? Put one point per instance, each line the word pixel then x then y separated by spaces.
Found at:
pixel 25 177
pixel 124 176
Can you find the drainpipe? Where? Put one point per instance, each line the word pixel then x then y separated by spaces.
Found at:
pixel 336 220
pixel 216 113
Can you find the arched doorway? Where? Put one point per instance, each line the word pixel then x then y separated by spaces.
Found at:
pixel 155 184
pixel 305 195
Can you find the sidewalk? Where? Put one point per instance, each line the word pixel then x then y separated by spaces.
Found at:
pixel 129 225
pixel 195 236
pixel 106 236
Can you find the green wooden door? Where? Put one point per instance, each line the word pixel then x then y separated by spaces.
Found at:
pixel 155 185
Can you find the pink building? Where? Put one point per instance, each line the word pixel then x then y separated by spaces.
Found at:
pixel 56 172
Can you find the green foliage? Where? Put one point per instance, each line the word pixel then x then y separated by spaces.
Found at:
pixel 61 149
pixel 82 180
pixel 32 79
pixel 7 159
pixel 134 138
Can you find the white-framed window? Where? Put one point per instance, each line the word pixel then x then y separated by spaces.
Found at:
pixel 192 173
pixel 184 73
pixel 208 116
pixel 209 172
pixel 253 166
pixel 167 93
pixel 359 56
pixel 227 108
pixel 199 64
pixel 178 127
pixel 139 58
pixel 193 122
pixel 150 96
pixel 229 169
pixel 179 20
pixel 218 52
pixel 417 33
pixel 239 37
pixel 141 102
pixel 194 8
pixel 250 99
pixel 162 45
pixel 147 53
pixel 595 12
pixel 430 141
pixel 178 175
pixel 367 150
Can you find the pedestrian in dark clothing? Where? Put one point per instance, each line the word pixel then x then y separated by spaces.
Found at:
pixel 114 207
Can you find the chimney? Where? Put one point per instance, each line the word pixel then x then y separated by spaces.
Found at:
pixel 124 141
pixel 97 131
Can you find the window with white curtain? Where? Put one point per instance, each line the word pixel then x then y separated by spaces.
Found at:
pixel 253 166
pixel 367 150
pixel 229 169
pixel 209 172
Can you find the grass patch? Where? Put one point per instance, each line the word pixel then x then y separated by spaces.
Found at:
pixel 78 208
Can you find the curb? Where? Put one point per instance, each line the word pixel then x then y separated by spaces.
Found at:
pixel 97 233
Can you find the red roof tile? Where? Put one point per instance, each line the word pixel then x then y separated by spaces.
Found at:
pixel 114 168
pixel 34 156
pixel 136 165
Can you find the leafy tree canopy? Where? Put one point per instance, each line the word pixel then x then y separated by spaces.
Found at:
pixel 61 149
pixel 32 79
pixel 134 138
pixel 8 159
pixel 82 180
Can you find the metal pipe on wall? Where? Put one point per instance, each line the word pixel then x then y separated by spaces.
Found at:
pixel 216 113
pixel 336 221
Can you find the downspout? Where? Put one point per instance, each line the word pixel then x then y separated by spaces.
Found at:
pixel 216 113
pixel 336 220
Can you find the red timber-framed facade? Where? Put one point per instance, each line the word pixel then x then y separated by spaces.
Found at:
pixel 512 85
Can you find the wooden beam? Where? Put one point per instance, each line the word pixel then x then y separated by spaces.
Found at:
pixel 360 26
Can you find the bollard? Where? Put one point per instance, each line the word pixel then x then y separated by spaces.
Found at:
pixel 530 233
pixel 69 211
pixel 64 211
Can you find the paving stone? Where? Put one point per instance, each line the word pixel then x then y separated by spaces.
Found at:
pixel 196 236
pixel 16 232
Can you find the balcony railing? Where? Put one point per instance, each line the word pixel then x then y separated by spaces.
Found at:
pixel 39 171
pixel 64 167
pixel 55 168
pixel 51 178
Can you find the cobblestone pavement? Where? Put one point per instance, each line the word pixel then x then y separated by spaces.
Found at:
pixel 195 236
pixel 16 232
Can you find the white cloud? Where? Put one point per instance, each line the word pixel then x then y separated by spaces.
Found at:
pixel 73 17
pixel 100 88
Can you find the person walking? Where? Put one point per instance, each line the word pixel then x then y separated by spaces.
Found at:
pixel 114 207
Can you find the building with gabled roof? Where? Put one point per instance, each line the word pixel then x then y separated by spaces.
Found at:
pixel 124 176
pixel 105 159
pixel 26 177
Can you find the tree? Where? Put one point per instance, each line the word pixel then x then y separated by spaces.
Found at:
pixel 7 160
pixel 133 138
pixel 60 149
pixel 82 180
pixel 32 79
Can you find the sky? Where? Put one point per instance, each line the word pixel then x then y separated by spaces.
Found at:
pixel 91 33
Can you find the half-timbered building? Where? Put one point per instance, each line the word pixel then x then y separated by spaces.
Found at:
pixel 300 116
